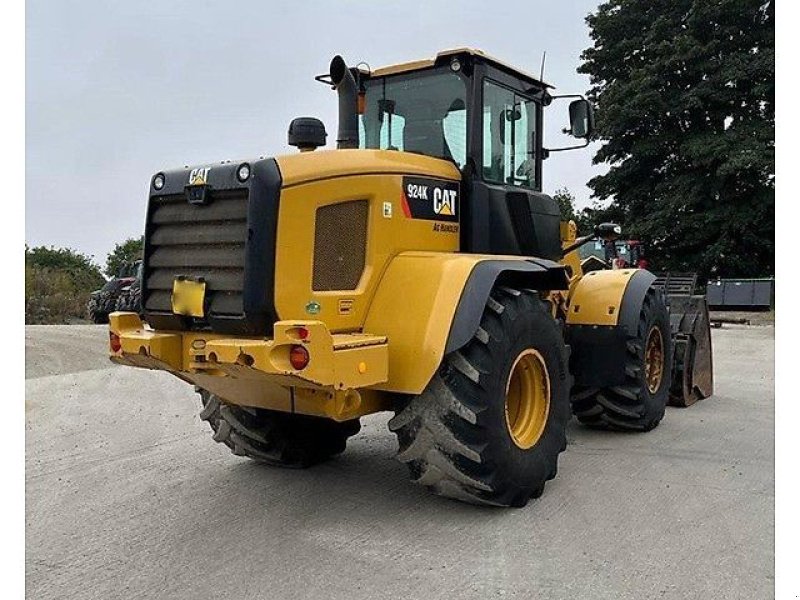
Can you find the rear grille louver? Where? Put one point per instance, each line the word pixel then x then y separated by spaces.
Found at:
pixel 205 241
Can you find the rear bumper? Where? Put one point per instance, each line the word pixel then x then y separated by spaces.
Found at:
pixel 257 371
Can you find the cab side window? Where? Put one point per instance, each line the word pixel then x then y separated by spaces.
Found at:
pixel 509 136
pixel 455 133
pixel 391 132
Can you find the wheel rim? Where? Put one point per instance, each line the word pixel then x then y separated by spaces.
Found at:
pixel 654 360
pixel 527 398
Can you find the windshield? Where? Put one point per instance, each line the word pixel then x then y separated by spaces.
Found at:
pixel 423 112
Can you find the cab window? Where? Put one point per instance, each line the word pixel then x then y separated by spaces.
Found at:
pixel 424 113
pixel 509 137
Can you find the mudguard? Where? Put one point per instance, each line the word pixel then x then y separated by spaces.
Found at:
pixel 430 303
pixel 538 274
pixel 603 311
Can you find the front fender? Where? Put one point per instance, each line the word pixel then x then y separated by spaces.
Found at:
pixel 603 313
pixel 429 303
pixel 609 298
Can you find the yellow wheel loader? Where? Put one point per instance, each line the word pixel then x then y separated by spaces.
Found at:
pixel 417 269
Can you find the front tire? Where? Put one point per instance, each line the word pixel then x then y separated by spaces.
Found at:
pixel 490 425
pixel 274 437
pixel 639 403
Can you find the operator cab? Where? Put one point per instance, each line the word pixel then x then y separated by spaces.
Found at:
pixel 486 117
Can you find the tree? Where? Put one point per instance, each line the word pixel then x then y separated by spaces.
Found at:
pixel 124 255
pixel 79 268
pixel 686 115
pixel 57 284
pixel 566 202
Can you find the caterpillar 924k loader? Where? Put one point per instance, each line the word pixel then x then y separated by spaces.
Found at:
pixel 418 268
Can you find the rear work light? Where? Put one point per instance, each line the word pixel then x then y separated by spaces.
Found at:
pixel 114 342
pixel 298 357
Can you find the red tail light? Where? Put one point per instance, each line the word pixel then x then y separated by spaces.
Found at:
pixel 114 342
pixel 298 356
pixel 297 333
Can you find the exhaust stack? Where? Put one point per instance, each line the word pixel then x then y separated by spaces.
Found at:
pixel 345 86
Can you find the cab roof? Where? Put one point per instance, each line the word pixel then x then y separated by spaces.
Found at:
pixel 417 65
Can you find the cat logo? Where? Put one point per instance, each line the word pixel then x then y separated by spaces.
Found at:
pixel 199 176
pixel 430 199
pixel 444 201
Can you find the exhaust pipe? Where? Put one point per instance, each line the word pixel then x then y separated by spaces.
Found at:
pixel 345 86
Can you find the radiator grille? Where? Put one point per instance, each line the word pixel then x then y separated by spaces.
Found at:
pixel 340 244
pixel 197 241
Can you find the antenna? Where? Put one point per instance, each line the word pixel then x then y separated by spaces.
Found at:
pixel 541 73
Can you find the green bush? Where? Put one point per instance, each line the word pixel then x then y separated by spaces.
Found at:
pixel 58 282
pixel 123 255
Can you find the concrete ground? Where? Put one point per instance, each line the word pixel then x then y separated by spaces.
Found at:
pixel 128 497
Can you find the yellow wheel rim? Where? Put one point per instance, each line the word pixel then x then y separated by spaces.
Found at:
pixel 527 398
pixel 654 360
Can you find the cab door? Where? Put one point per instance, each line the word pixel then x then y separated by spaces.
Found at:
pixel 510 215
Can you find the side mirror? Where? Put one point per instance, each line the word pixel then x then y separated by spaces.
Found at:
pixel 581 118
pixel 608 232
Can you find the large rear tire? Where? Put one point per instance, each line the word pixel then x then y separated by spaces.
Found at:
pixel 100 306
pixel 490 425
pixel 639 403
pixel 130 300
pixel 277 438
pixel 98 317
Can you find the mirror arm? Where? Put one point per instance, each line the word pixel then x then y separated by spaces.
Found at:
pixel 568 96
pixel 578 243
pixel 608 232
pixel 546 151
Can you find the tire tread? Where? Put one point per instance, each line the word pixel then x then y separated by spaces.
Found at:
pixel 628 407
pixel 439 431
pixel 281 439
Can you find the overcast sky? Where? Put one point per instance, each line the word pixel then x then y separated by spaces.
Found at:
pixel 116 91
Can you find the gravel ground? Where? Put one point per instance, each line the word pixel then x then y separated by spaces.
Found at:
pixel 62 349
pixel 128 497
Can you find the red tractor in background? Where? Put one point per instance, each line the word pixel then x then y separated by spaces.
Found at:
pixel 122 292
pixel 635 256
pixel 130 295
pixel 619 254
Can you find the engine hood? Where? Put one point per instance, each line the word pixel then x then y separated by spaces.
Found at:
pixel 325 164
